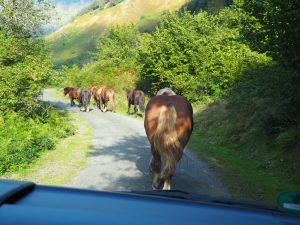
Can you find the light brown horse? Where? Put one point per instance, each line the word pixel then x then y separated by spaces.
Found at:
pixel 94 91
pixel 168 124
pixel 73 94
pixel 105 95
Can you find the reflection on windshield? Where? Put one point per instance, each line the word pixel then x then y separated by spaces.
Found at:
pixel 79 105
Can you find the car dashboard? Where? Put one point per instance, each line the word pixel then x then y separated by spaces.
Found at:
pixel 29 203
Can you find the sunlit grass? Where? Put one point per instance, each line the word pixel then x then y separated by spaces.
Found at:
pixel 72 43
pixel 59 166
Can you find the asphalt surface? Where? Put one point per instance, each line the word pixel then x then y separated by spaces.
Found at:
pixel 121 157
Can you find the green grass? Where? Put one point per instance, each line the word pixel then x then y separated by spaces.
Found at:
pixel 59 166
pixel 245 168
pixel 72 44
pixel 74 49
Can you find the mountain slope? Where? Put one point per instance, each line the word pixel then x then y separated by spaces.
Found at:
pixel 72 43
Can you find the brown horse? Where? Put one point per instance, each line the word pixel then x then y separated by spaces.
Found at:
pixel 136 97
pixel 85 97
pixel 168 124
pixel 94 91
pixel 73 94
pixel 105 95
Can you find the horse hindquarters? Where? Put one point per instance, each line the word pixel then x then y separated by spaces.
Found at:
pixel 167 145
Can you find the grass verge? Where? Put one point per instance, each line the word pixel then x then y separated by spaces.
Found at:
pixel 58 166
pixel 244 173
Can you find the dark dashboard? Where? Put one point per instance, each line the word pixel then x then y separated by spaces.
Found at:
pixel 28 203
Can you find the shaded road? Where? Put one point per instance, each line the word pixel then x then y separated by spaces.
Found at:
pixel 121 157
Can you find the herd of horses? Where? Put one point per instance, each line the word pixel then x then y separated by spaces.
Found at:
pixel 168 123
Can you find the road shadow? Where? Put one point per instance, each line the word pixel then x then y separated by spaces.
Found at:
pixel 134 149
pixel 191 174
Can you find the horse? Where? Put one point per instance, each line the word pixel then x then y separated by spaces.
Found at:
pixel 168 124
pixel 105 95
pixel 166 91
pixel 85 97
pixel 73 94
pixel 135 97
pixel 94 91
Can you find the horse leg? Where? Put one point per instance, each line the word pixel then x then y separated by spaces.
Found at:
pixel 156 165
pixel 128 111
pixel 105 107
pixel 156 183
pixel 135 110
pixel 167 183
pixel 141 105
pixel 151 164
pixel 100 104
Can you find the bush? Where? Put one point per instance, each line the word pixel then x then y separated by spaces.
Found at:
pixel 22 139
pixel 197 55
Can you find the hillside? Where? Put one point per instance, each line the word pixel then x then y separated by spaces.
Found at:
pixel 72 43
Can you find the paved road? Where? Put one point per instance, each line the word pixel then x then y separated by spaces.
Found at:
pixel 121 157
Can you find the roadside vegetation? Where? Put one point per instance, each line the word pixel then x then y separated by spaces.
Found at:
pixel 239 65
pixel 50 168
pixel 28 127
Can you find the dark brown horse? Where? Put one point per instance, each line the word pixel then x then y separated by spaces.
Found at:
pixel 85 97
pixel 136 97
pixel 105 95
pixel 73 94
pixel 168 124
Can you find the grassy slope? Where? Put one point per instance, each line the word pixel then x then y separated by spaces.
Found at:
pixel 71 43
pixel 245 165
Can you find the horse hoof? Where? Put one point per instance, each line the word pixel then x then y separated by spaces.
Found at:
pixel 151 169
pixel 154 188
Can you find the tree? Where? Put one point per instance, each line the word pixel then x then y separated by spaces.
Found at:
pixel 23 17
pixel 197 55
pixel 274 28
pixel 118 46
pixel 25 64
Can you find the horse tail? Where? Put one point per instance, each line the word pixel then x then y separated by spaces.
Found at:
pixel 166 140
pixel 141 103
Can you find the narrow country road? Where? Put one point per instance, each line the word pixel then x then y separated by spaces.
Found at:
pixel 121 157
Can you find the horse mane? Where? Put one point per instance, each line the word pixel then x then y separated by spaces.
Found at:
pixel 166 91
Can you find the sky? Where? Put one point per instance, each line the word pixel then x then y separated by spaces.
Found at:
pixel 63 12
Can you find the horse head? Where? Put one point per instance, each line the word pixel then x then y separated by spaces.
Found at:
pixel 66 90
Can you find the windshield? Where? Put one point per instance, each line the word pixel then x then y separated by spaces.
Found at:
pixel 122 95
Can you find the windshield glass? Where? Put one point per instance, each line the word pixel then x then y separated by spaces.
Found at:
pixel 135 95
